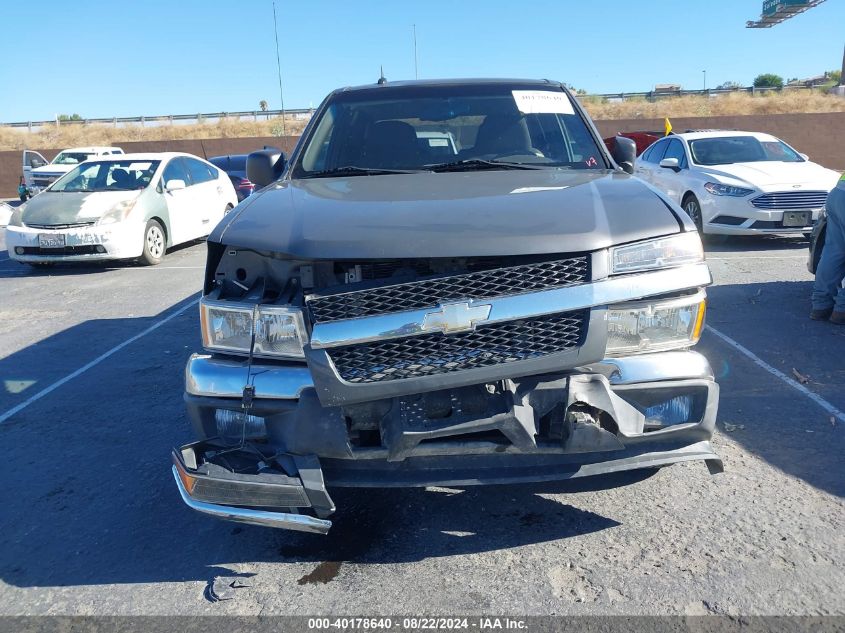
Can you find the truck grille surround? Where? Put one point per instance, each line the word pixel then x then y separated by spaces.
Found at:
pixel 431 354
pixel 421 355
pixel 425 293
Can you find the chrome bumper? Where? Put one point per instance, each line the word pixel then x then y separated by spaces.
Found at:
pixel 223 378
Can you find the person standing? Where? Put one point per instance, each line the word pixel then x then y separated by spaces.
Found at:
pixel 828 290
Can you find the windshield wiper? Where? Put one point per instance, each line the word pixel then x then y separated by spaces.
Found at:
pixel 352 170
pixel 472 164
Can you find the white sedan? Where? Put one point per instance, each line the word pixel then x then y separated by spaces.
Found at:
pixel 133 206
pixel 738 183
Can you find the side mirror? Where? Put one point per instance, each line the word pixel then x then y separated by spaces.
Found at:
pixel 35 163
pixel 625 153
pixel 175 185
pixel 671 163
pixel 265 166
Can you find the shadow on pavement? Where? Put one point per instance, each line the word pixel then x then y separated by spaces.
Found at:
pixel 779 424
pixel 88 496
pixel 753 243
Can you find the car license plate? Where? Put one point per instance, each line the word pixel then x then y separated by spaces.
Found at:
pixel 51 240
pixel 796 218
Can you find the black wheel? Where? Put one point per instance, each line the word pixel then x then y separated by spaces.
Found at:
pixel 693 209
pixel 155 244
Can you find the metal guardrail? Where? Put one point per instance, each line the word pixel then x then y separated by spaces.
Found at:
pixel 165 119
pixel 662 94
pixel 268 114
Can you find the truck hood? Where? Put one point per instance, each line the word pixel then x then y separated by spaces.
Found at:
pixel 53 169
pixel 449 215
pixel 777 174
pixel 50 208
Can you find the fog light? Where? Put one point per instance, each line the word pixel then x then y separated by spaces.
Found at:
pixel 239 425
pixel 19 250
pixel 100 248
pixel 674 411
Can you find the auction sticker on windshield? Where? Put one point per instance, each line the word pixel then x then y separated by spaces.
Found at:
pixel 542 102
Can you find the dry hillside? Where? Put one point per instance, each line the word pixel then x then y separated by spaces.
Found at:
pixel 70 135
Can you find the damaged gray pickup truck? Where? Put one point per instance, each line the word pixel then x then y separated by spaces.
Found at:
pixel 447 283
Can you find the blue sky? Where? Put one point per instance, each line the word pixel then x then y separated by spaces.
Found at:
pixel 102 59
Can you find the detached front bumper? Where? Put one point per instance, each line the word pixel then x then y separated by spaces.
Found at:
pixel 123 240
pixel 620 414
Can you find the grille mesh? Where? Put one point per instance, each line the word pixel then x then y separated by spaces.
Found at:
pixel 431 292
pixel 432 354
pixel 790 200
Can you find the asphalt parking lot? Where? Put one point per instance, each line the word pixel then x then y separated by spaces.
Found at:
pixel 91 361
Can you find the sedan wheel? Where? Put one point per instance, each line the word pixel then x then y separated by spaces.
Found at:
pixel 154 244
pixel 693 210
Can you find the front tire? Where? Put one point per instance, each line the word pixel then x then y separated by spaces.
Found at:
pixel 693 210
pixel 155 244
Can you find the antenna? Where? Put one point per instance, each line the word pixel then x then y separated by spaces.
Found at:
pixel 279 67
pixel 381 80
pixel 416 59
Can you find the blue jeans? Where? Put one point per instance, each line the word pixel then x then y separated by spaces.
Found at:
pixel 828 291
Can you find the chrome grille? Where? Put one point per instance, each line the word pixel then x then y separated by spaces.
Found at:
pixel 434 291
pixel 432 354
pixel 780 200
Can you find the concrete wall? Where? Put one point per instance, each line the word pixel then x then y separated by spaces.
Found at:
pixel 10 161
pixel 818 135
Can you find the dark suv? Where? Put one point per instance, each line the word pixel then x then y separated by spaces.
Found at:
pixel 448 283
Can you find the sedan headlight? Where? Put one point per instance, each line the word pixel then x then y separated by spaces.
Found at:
pixel 118 213
pixel 278 331
pixel 676 250
pixel 635 328
pixel 17 217
pixel 718 189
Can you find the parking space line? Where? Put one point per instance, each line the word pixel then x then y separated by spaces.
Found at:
pixel 824 404
pixel 23 405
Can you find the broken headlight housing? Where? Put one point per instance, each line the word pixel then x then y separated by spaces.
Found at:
pixel 664 252
pixel 278 331
pixel 643 326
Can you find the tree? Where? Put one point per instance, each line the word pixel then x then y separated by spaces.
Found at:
pixel 835 75
pixel 768 80
pixel 69 117
pixel 729 85
pixel 263 105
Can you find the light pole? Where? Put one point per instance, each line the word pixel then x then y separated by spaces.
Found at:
pixel 705 80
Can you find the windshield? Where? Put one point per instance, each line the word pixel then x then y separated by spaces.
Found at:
pixel 113 175
pixel 71 158
pixel 741 149
pixel 468 127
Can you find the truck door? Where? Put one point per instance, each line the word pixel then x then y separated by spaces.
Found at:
pixel 31 160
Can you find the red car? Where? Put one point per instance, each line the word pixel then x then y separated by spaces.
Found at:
pixel 642 139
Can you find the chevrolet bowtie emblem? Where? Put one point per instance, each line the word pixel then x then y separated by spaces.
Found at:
pixel 455 317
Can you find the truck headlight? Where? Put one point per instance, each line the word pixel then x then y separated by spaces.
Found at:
pixel 278 331
pixel 635 328
pixel 675 250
